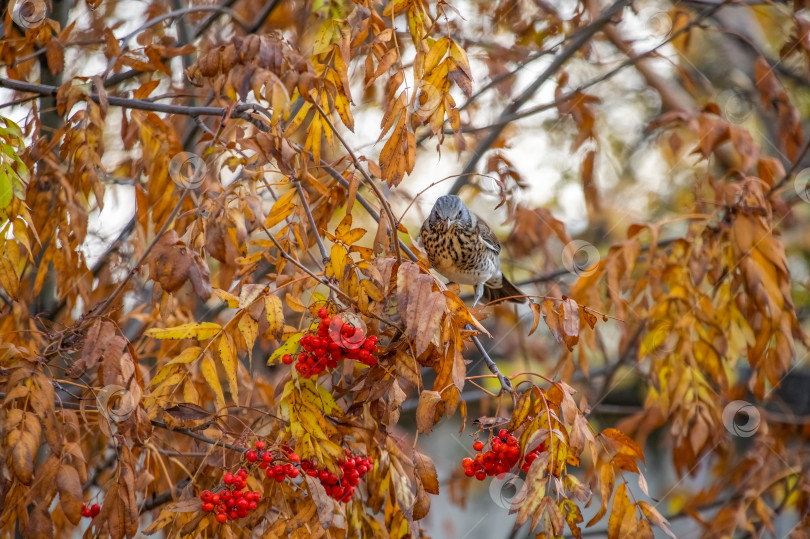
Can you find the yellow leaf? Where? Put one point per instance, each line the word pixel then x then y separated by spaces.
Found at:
pixel 249 330
pixel 275 315
pixel 621 504
pixel 338 258
pixel 201 331
pixel 282 208
pixel 289 347
pixel 230 364
pixel 318 396
pixel 436 53
pixel 344 227
pixel 227 297
pixel 372 290
pixel 186 356
pixel 354 235
pixel 209 372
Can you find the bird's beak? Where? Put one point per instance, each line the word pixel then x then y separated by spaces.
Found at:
pixel 448 223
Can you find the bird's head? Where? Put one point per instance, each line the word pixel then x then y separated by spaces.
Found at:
pixel 448 211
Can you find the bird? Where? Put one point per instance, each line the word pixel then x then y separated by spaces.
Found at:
pixel 461 247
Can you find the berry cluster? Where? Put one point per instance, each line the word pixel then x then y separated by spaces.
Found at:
pixel 531 455
pixel 265 458
pixel 341 487
pixel 502 456
pixel 332 341
pixel 231 504
pixel 92 511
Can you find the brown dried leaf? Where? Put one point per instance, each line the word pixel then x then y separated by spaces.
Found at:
pixel 552 319
pixel 426 410
pixel 424 468
pixel 70 492
pixel 186 411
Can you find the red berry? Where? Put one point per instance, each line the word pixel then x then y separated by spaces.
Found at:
pixel 225 495
pixel 294 457
pixel 208 507
pixel 480 475
pixel 293 473
pixel 215 499
pixel 228 478
pixel 267 456
pixel 252 505
pixel 478 445
pixel 259 444
pixel 221 518
pixel 95 509
pixel 252 456
pixel 287 359
pixel 233 515
pixel 205 495
pixel 323 312
pixel 467 462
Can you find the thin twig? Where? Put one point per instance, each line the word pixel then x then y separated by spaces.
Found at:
pixel 506 385
pixel 99 309
pixel 581 37
pixel 312 225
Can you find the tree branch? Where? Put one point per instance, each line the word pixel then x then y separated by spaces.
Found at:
pixel 578 41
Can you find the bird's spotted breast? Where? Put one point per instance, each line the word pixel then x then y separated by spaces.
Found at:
pixel 460 255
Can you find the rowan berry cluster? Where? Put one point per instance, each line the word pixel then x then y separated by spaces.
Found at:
pixel 333 340
pixel 340 487
pixel 92 511
pixel 231 503
pixel 278 472
pixel 502 456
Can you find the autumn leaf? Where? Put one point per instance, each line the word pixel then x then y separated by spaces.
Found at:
pixel 426 410
pixel 201 331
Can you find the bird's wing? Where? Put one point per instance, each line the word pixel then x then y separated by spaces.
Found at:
pixel 488 237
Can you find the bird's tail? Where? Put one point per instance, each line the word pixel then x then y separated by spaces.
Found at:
pixel 507 290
